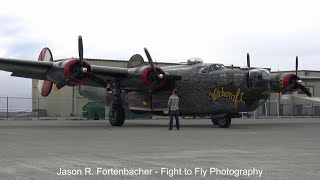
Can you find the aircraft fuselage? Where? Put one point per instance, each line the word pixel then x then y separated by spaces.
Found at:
pixel 201 92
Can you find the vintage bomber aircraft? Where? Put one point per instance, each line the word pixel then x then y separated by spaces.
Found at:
pixel 204 89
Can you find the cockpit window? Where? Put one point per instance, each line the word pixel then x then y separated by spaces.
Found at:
pixel 264 74
pixel 203 70
pixel 214 67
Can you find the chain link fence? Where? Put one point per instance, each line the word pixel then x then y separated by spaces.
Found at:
pixel 15 108
pixel 287 109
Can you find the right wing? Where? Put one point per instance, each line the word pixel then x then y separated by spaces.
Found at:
pixel 78 71
pixel 309 78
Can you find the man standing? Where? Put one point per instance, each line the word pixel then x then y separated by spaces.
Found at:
pixel 173 105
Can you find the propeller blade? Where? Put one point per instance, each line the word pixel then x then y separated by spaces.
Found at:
pixel 297 67
pixel 151 102
pixel 305 90
pixel 151 62
pixel 148 97
pixel 80 48
pixel 66 81
pixel 152 87
pixel 289 87
pixel 248 60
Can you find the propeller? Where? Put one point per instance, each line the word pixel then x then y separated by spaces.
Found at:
pixel 156 78
pixel 296 83
pixel 81 72
pixel 159 76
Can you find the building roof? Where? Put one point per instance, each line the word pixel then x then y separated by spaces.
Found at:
pixel 295 71
pixel 114 60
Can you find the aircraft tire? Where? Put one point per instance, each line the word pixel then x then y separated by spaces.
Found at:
pixel 225 122
pixel 116 115
pixel 215 122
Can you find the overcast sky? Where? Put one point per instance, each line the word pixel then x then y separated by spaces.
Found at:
pixel 272 31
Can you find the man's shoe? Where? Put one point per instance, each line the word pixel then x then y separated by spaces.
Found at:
pixel 170 129
pixel 178 129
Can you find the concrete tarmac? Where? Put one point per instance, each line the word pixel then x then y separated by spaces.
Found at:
pixel 279 148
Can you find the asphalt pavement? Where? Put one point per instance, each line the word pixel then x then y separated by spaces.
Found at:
pixel 145 149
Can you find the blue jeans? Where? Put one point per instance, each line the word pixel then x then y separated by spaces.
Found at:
pixel 176 115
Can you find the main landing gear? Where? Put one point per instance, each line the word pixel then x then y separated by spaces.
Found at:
pixel 116 111
pixel 222 122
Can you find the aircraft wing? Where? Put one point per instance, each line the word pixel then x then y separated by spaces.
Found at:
pixel 26 68
pixel 309 78
pixel 54 71
pixel 109 71
pixel 77 71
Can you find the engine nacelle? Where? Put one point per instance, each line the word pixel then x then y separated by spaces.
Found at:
pixel 148 76
pixel 70 66
pixel 280 81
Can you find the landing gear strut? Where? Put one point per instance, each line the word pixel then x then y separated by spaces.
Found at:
pixel 116 111
pixel 222 122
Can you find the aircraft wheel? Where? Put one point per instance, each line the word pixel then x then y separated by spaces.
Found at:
pixel 224 122
pixel 116 115
pixel 215 121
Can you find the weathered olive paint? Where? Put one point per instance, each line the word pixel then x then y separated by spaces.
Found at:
pixel 216 92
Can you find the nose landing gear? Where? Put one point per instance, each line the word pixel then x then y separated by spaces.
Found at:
pixel 222 122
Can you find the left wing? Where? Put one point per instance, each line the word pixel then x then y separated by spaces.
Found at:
pixel 59 70
pixel 79 71
pixel 26 68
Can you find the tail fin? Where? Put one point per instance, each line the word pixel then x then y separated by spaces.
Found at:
pixel 45 86
pixel 135 61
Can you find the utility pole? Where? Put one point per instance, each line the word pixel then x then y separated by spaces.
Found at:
pixel 38 109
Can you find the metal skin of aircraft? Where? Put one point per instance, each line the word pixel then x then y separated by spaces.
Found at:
pixel 204 89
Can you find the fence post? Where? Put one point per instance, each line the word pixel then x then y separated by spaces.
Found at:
pixel 278 110
pixel 68 109
pixel 265 106
pixel 38 109
pixel 72 108
pixel 7 108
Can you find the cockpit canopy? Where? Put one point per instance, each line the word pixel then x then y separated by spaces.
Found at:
pixel 211 67
pixel 194 60
pixel 258 76
pixel 261 74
